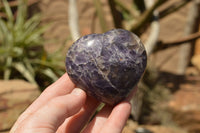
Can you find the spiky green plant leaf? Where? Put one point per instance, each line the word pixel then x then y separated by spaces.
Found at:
pixel 22 52
pixel 20 67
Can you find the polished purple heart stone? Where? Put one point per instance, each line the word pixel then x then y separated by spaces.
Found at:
pixel 107 66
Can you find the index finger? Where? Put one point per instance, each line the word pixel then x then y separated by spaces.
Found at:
pixel 61 87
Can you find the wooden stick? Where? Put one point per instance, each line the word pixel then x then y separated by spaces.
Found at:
pixel 164 44
pixel 145 16
pixel 188 38
pixel 127 7
pixel 73 19
pixel 101 15
pixel 115 14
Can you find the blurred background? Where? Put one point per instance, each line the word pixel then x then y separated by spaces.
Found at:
pixel 36 34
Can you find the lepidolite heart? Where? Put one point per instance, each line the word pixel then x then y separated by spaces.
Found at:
pixel 107 66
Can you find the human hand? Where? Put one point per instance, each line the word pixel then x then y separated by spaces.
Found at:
pixel 63 109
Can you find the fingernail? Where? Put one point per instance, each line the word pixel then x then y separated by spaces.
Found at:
pixel 77 91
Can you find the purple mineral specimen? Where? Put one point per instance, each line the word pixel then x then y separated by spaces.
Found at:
pixel 107 66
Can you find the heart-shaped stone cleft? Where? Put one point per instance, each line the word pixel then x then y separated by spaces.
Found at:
pixel 107 66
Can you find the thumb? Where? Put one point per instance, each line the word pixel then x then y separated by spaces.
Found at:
pixel 54 113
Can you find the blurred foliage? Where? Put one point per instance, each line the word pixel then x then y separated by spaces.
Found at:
pixel 22 52
pixel 154 108
pixel 133 16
